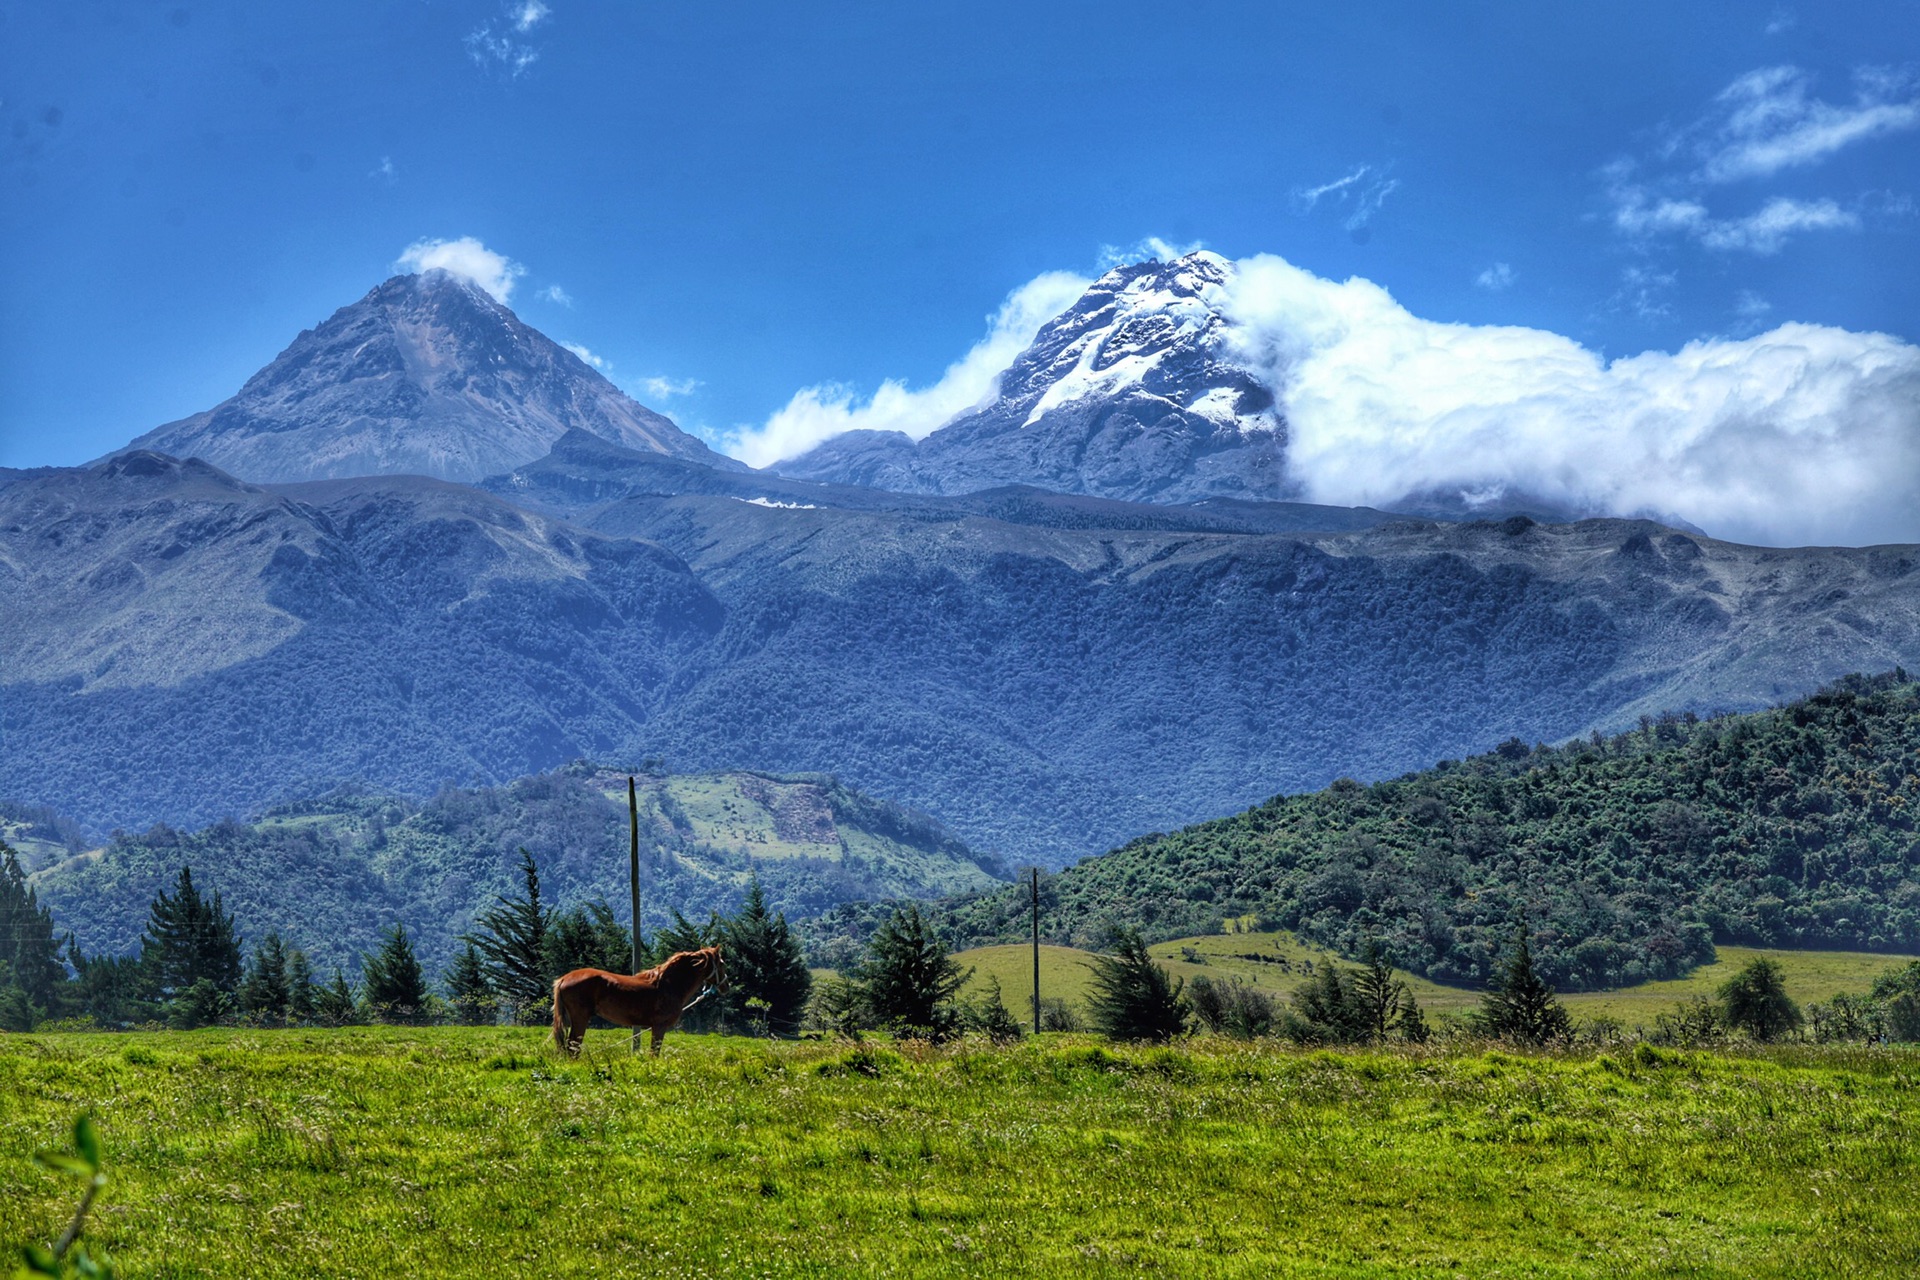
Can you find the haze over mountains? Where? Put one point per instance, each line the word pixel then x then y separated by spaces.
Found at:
pixel 1047 673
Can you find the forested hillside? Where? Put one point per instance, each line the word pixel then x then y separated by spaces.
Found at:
pixel 330 874
pixel 1629 856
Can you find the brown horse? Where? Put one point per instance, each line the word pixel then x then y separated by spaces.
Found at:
pixel 654 999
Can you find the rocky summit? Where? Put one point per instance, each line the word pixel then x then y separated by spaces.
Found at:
pixel 426 375
pixel 1133 393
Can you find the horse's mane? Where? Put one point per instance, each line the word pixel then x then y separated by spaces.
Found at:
pixel 680 960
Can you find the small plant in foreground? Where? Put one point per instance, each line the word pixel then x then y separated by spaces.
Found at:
pixel 64 1259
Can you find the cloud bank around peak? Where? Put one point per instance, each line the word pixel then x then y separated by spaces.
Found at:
pixel 466 258
pixel 818 413
pixel 1804 434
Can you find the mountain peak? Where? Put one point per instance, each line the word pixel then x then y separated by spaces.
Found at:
pixel 426 374
pixel 1132 393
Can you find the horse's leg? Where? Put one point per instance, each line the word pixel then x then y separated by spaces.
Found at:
pixel 659 1034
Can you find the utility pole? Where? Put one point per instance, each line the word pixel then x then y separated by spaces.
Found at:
pixel 633 879
pixel 1036 951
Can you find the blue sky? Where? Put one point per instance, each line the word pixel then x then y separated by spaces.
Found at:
pixel 735 202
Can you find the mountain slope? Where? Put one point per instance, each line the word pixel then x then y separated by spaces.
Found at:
pixel 1130 393
pixel 330 874
pixel 426 375
pixel 1629 857
pixel 184 646
pixel 1047 675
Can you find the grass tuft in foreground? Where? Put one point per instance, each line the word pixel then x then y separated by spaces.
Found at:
pixel 457 1151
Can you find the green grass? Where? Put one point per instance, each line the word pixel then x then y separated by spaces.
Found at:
pixel 472 1152
pixel 1810 975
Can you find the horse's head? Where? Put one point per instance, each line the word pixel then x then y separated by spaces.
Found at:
pixel 716 969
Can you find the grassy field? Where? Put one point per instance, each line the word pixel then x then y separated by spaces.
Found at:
pixel 1278 962
pixel 472 1152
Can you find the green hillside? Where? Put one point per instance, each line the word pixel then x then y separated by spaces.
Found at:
pixel 1632 856
pixel 1276 963
pixel 330 874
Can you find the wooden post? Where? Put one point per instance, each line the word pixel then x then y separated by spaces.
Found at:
pixel 633 879
pixel 1036 951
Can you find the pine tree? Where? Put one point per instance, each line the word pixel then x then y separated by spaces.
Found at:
pixel 334 1005
pixel 300 993
pixel 1132 997
pixel 29 951
pixel 908 980
pixel 468 990
pixel 513 941
pixel 1520 1006
pixel 1328 1009
pixel 1384 997
pixel 1755 1000
pixel 263 992
pixel 588 937
pixel 391 981
pixel 991 1015
pixel 190 938
pixel 764 963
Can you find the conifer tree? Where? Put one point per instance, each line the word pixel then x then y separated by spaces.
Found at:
pixel 1328 1008
pixel 391 981
pixel 764 963
pixel 908 980
pixel 263 992
pixel 190 938
pixel 1132 997
pixel 512 939
pixel 587 937
pixel 1384 997
pixel 334 1005
pixel 1519 1005
pixel 468 991
pixel 29 951
pixel 300 992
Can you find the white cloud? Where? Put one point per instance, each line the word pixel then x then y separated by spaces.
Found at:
pixel 1643 291
pixel 495 45
pixel 586 355
pixel 1804 434
pixel 1765 231
pixel 385 171
pixel 1153 248
pixel 668 388
pixel 466 258
pixel 1783 20
pixel 1495 278
pixel 1750 305
pixel 555 294
pixel 1358 195
pixel 1770 121
pixel 818 413
pixel 1764 122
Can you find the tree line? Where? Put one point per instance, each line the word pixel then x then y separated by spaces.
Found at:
pixel 192 968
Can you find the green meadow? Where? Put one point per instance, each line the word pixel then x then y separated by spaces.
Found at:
pixel 474 1152
pixel 1278 962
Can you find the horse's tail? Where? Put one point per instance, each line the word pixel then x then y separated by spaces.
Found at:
pixel 561 1032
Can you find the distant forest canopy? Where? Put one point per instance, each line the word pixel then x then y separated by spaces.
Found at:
pixel 331 874
pixel 1630 856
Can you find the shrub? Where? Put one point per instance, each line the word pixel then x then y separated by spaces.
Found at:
pixel 1755 1001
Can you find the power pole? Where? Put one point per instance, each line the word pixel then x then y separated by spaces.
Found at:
pixel 633 879
pixel 1036 951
